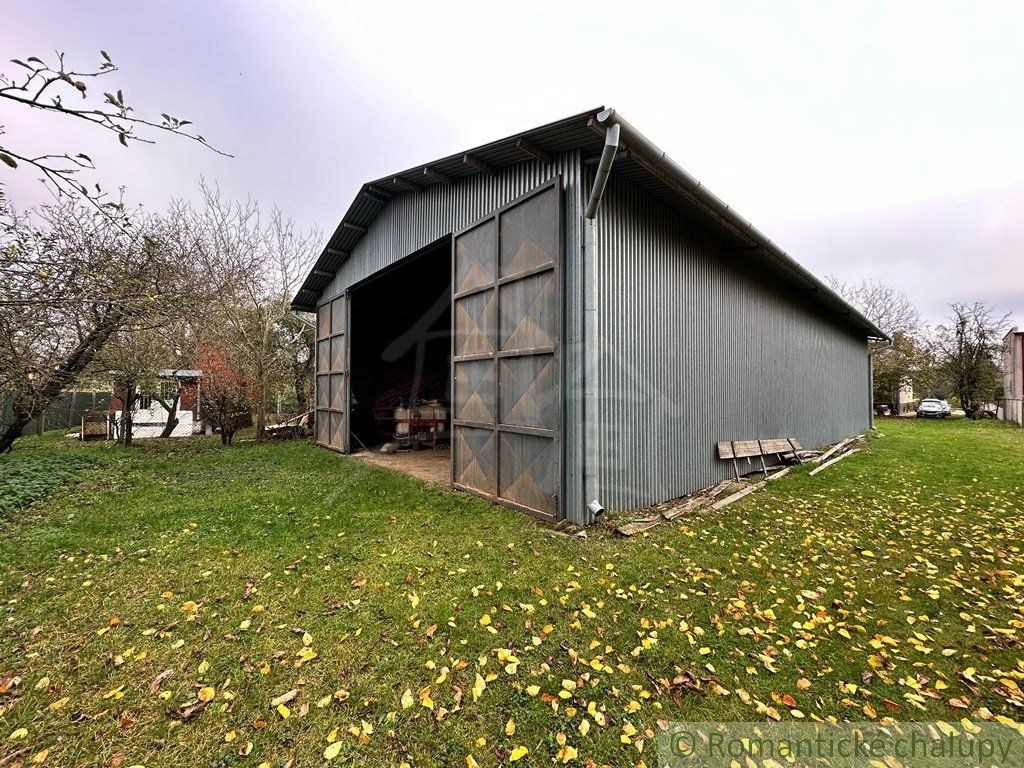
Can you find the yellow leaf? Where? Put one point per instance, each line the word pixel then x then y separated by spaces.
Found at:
pixel 407 699
pixel 18 735
pixel 485 620
pixel 510 727
pixel 584 727
pixel 567 753
pixel 533 690
pixel 478 687
pixel 471 762
pixel 518 753
pixel 332 750
pixel 188 606
pixel 206 693
pixel 44 682
pixel 230 736
pixel 283 711
pixel 58 704
pixel 41 756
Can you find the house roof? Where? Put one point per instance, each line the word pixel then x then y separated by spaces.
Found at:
pixel 583 132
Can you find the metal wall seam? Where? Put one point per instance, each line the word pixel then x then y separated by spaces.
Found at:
pixel 698 346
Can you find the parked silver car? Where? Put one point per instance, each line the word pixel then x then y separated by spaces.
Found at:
pixel 932 408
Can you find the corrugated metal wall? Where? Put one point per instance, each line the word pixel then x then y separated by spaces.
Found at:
pixel 696 347
pixel 415 219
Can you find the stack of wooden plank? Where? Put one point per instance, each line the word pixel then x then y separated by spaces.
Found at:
pixel 782 448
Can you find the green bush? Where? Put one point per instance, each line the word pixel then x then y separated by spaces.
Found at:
pixel 25 477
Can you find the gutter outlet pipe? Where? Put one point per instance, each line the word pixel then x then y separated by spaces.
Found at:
pixel 604 169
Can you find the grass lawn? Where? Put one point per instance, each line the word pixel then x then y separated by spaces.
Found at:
pixel 156 604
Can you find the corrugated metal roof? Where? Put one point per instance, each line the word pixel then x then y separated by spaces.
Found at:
pixel 553 138
pixel 572 133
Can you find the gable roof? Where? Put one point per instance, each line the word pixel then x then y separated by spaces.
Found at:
pixel 638 161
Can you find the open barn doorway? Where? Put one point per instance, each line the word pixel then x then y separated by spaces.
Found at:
pixel 400 362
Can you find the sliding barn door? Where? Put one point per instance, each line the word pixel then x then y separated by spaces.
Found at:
pixel 332 374
pixel 506 336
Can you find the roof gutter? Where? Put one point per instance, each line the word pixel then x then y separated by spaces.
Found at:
pixel 654 159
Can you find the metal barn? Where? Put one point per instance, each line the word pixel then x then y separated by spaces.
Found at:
pixel 594 317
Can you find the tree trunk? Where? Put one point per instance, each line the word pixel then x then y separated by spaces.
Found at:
pixel 65 376
pixel 261 403
pixel 12 432
pixel 127 407
pixel 172 414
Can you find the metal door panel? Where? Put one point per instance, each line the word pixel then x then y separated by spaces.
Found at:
pixel 323 321
pixel 475 321
pixel 529 395
pixel 506 350
pixel 475 257
pixel 332 388
pixel 323 356
pixel 529 312
pixel 474 459
pixel 475 391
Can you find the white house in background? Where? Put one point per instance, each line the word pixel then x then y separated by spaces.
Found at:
pixel 1011 407
pixel 150 417
pixel 905 400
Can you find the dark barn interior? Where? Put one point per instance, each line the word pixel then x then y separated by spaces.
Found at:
pixel 400 351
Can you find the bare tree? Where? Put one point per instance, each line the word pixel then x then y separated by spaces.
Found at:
pixel 910 360
pixel 72 279
pixel 59 88
pixel 255 263
pixel 887 307
pixel 968 347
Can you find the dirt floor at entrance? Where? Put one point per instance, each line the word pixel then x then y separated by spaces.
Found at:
pixel 431 465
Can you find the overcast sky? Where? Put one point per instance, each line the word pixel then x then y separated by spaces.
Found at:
pixel 881 141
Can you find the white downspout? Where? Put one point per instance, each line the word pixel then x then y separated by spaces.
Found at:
pixel 591 352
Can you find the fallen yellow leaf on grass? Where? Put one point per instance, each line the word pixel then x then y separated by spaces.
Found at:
pixel 206 693
pixel 518 753
pixel 567 753
pixel 332 750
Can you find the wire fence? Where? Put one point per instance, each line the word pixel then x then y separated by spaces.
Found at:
pixel 65 412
